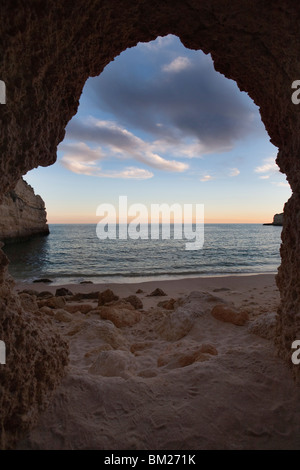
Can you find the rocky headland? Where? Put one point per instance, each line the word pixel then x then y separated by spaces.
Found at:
pixel 22 214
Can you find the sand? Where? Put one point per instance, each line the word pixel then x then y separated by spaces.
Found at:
pixel 171 379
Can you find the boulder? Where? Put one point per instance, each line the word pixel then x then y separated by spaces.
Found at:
pixel 229 315
pixel 106 296
pixel 157 293
pixel 122 314
pixel 52 302
pixel 135 302
pixel 62 291
pixel 167 304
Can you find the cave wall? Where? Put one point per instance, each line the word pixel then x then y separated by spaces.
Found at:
pixel 48 49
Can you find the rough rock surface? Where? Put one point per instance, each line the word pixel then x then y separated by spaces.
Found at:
pixel 22 214
pixel 47 53
pixel 229 315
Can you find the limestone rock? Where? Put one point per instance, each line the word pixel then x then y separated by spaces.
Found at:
pixel 28 302
pixel 52 302
pixel 61 292
pixel 62 315
pixel 264 325
pixel 120 315
pixel 84 296
pixel 82 308
pixel 228 315
pixel 157 293
pixel 183 354
pixel 167 304
pixel 47 311
pixel 135 302
pixel 104 331
pixel 176 325
pixel 106 296
pixel 22 214
pixel 113 364
pixel 277 220
pixel 45 294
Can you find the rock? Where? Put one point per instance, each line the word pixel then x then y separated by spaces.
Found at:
pixel 86 282
pixel 92 352
pixel 62 316
pixel 62 291
pixel 228 315
pixel 264 326
pixel 277 220
pixel 28 302
pixel 176 325
pixel 135 348
pixel 139 291
pixel 157 293
pixel 22 214
pixel 183 354
pixel 29 291
pixel 47 311
pixel 120 315
pixel 45 294
pixel 113 364
pixel 82 308
pixel 135 302
pixel 52 302
pixel 44 280
pixel 103 331
pixel 81 296
pixel 147 373
pixel 106 296
pixel 167 304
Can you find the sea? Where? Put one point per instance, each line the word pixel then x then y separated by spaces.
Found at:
pixel 73 253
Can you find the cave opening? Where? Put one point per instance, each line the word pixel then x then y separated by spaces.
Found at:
pixel 253 49
pixel 161 126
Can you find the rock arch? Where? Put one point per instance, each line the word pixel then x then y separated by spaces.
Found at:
pixel 48 50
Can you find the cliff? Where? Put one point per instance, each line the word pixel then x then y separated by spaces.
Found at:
pixel 22 214
pixel 277 220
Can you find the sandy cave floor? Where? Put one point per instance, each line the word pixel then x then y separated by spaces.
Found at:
pixel 172 379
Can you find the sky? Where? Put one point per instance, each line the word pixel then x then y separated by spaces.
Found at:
pixel 160 125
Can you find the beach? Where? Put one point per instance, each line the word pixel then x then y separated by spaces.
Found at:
pixel 197 372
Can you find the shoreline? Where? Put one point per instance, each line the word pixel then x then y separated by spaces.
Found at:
pixel 60 282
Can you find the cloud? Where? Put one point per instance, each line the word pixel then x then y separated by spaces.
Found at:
pixel 197 105
pixel 78 159
pixel 159 43
pixel 269 166
pixel 206 178
pixel 119 142
pixel 177 65
pixel 281 184
pixel 234 172
pixel 264 177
